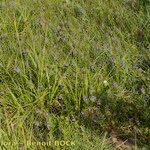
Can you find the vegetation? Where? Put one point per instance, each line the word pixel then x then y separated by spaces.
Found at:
pixel 77 71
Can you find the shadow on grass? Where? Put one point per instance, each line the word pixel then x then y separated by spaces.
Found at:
pixel 125 122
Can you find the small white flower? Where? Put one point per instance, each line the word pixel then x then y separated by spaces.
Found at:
pixel 105 83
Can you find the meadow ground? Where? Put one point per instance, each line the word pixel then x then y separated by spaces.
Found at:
pixel 74 74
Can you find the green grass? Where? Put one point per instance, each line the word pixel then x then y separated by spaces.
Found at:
pixel 74 71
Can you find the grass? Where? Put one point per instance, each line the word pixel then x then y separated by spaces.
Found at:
pixel 75 71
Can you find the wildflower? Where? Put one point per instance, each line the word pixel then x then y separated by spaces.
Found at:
pixel 105 83
pixel 17 70
pixel 93 98
pixel 92 68
pixel 84 98
pixel 66 65
pixel 98 104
